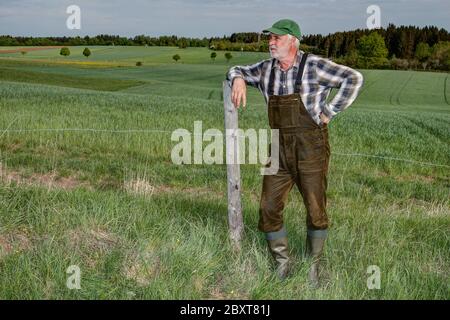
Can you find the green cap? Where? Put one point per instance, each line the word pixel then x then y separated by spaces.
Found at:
pixel 285 26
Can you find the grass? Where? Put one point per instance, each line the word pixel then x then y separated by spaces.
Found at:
pixel 130 55
pixel 140 227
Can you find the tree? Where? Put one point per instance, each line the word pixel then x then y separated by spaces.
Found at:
pixel 182 44
pixel 176 57
pixel 213 55
pixel 423 52
pixel 64 52
pixel 228 56
pixel 372 46
pixel 351 58
pixel 440 55
pixel 373 50
pixel 86 52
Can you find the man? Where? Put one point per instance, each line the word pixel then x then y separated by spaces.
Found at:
pixel 296 86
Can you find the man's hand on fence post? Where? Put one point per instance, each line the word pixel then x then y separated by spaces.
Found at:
pixel 239 92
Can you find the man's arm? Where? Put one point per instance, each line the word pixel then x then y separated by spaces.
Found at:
pixel 250 75
pixel 333 75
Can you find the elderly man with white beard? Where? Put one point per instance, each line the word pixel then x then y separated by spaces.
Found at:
pixel 296 85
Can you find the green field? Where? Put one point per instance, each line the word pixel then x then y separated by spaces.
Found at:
pixel 86 179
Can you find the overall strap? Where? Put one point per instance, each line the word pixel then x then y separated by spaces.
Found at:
pixel 298 81
pixel 271 79
pixel 301 69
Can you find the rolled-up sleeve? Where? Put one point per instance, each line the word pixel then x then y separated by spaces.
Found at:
pixel 348 80
pixel 251 74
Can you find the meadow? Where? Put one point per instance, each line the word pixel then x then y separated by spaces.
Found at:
pixel 86 179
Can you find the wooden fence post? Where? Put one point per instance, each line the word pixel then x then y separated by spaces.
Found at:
pixel 235 220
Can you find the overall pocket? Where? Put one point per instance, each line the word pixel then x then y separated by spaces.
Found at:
pixel 284 116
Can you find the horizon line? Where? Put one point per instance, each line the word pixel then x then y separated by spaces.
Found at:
pixel 217 36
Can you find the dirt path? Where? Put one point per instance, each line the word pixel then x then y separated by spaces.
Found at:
pixel 27 49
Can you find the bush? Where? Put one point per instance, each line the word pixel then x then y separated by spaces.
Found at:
pixel 228 56
pixel 399 64
pixel 262 46
pixel 380 63
pixel 350 59
pixel 86 52
pixel 373 63
pixel 64 51
pixel 415 64
pixel 139 64
pixel 176 57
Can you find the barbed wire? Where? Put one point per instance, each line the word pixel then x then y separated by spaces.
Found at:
pixel 390 158
pixel 212 134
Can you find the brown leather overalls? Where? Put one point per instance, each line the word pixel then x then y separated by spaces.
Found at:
pixel 304 154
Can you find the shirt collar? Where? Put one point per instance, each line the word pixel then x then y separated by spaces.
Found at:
pixel 296 63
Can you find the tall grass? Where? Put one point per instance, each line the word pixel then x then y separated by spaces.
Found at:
pixel 111 201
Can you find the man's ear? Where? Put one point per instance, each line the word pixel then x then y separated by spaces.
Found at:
pixel 293 41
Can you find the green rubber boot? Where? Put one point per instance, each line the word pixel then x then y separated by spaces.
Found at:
pixel 279 250
pixel 278 247
pixel 315 242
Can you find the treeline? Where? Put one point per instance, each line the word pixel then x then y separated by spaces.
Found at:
pixel 250 41
pixel 104 40
pixel 400 42
pixel 404 47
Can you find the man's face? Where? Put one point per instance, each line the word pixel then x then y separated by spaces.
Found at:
pixel 279 46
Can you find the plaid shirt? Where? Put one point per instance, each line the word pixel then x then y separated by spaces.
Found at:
pixel 319 77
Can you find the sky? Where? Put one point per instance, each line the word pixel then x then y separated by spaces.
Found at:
pixel 207 18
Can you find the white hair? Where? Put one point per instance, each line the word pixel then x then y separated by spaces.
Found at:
pixel 297 42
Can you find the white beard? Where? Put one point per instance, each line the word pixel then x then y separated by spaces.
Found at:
pixel 279 53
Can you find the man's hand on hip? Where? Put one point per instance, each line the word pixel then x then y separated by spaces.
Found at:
pixel 239 92
pixel 324 118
